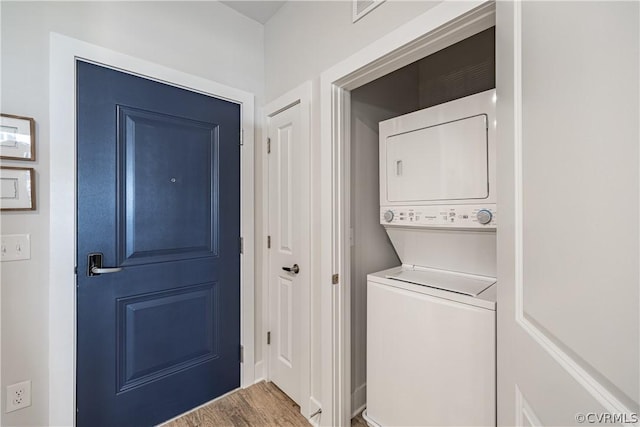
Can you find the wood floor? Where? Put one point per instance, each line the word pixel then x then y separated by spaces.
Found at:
pixel 262 404
pixel 358 421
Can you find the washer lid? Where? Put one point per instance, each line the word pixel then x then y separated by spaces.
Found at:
pixel 466 284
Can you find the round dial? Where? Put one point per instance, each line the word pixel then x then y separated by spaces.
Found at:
pixel 484 216
pixel 388 216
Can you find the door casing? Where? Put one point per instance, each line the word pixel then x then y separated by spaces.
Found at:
pixel 62 298
pixel 437 28
pixel 301 95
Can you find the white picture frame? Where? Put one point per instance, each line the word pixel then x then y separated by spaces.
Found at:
pixel 363 7
pixel 17 137
pixel 17 189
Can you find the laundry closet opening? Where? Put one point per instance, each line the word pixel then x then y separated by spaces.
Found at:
pixel 460 70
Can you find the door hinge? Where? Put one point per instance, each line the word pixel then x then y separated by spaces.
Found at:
pixel 241 354
pixel 241 245
pixel 335 279
pixel 269 338
pixel 241 137
pixel 268 242
pixel 268 145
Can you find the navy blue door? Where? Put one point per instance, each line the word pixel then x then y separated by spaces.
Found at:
pixel 159 197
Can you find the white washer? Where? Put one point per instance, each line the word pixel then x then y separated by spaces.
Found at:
pixel 430 352
pixel 430 329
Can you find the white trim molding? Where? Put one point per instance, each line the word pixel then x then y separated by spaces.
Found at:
pixel 439 27
pixel 599 392
pixel 260 374
pixel 63 53
pixel 358 400
pixel 524 412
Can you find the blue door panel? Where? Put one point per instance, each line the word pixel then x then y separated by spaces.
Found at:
pixel 159 195
pixel 182 177
pixel 164 332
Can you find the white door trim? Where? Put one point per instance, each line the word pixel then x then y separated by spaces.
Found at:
pixel 441 26
pixel 62 296
pixel 301 95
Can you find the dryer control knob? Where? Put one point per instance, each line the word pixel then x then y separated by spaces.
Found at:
pixel 484 216
pixel 388 216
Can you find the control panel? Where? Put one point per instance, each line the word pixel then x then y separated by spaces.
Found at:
pixel 443 216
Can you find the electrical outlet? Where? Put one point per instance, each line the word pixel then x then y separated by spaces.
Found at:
pixel 18 396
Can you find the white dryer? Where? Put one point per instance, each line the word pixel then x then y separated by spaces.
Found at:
pixel 431 322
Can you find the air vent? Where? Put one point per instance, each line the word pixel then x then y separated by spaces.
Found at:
pixel 362 7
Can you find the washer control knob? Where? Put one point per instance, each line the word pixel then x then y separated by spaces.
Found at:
pixel 484 216
pixel 388 216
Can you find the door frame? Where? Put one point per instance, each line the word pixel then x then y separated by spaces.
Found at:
pixel 437 28
pixel 62 279
pixel 301 95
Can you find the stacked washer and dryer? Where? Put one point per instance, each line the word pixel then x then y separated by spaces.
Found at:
pixel 431 322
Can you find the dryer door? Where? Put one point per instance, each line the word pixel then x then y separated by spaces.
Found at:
pixel 447 161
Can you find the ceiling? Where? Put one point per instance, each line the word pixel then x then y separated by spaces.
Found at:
pixel 259 11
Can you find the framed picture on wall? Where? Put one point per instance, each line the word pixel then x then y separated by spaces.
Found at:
pixel 17 189
pixel 17 137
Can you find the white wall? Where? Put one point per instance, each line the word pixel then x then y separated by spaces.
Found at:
pixel 206 39
pixel 305 38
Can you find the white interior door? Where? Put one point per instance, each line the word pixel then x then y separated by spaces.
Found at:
pixel 289 226
pixel 568 293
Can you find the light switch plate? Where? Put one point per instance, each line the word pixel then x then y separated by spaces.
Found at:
pixel 15 247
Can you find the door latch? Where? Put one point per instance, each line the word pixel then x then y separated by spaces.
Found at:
pixel 295 269
pixel 94 265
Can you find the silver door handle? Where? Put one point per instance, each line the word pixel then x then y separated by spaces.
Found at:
pixel 94 265
pixel 295 269
pixel 97 270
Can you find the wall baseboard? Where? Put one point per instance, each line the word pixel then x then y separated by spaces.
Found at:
pixel 260 374
pixel 359 400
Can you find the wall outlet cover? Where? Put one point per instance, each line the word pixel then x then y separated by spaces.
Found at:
pixel 18 396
